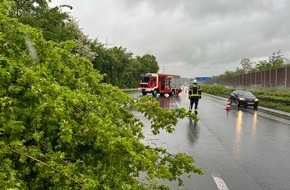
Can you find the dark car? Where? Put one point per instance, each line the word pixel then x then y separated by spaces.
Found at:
pixel 244 98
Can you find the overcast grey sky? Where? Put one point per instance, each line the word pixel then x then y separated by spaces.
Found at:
pixel 192 38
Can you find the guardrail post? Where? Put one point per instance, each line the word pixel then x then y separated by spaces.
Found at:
pixel 286 77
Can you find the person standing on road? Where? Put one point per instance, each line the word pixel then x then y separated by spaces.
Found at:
pixel 194 94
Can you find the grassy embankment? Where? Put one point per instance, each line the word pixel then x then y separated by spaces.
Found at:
pixel 278 99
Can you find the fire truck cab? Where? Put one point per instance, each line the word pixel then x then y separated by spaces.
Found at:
pixel 161 84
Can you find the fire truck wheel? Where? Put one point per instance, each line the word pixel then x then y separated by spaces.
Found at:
pixel 144 93
pixel 154 93
pixel 173 92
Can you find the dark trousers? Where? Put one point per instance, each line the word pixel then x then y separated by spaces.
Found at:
pixel 193 100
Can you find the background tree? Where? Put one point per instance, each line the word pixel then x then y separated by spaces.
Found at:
pixel 246 65
pixel 276 60
pixel 51 21
pixel 121 59
pixel 23 8
pixel 148 63
pixel 263 65
pixel 287 61
pixel 132 74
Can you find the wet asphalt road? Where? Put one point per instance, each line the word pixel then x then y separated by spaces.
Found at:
pixel 240 149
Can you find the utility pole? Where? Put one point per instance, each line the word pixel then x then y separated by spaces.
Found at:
pixel 107 43
pixel 163 69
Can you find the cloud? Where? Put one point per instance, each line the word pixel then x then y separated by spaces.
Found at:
pixel 189 37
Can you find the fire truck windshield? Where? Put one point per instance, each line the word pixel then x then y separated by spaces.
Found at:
pixel 145 79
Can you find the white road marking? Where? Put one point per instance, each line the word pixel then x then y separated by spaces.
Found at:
pixel 178 105
pixel 220 105
pixel 219 182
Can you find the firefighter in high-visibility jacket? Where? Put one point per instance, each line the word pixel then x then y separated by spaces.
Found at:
pixel 194 94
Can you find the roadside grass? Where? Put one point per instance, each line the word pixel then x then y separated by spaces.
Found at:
pixel 274 98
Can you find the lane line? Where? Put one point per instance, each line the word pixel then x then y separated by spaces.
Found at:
pixel 219 182
pixel 219 105
pixel 177 104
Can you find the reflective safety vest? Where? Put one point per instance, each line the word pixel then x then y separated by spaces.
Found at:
pixel 195 90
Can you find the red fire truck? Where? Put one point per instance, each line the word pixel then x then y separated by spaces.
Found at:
pixel 161 84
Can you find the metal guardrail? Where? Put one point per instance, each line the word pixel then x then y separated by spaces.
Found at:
pixel 129 89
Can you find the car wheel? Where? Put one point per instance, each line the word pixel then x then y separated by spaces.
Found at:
pixel 255 106
pixel 238 103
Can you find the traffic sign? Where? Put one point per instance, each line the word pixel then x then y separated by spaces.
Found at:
pixel 202 79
